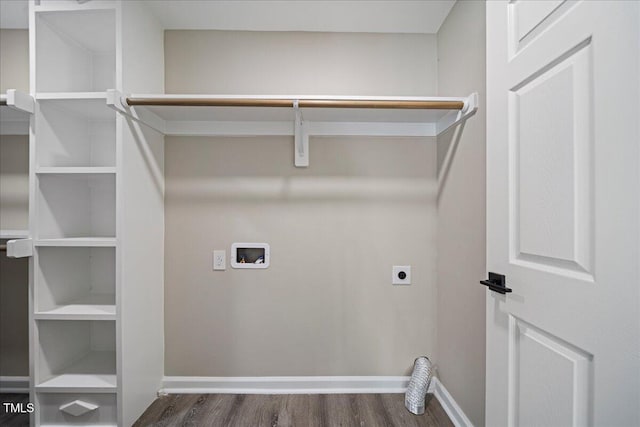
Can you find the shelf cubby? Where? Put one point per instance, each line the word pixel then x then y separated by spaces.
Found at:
pixel 76 356
pixel 50 414
pixel 75 50
pixel 75 283
pixel 76 206
pixel 79 132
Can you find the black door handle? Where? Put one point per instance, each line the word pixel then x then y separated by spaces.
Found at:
pixel 497 283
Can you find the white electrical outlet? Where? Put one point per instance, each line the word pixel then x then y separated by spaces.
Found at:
pixel 219 260
pixel 401 275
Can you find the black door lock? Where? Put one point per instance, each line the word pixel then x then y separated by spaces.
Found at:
pixel 497 283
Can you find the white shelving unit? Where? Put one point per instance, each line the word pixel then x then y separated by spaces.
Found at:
pixel 86 171
pixel 75 315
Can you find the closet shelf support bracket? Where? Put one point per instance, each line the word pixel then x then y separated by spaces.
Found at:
pixel 459 117
pixel 20 248
pixel 20 101
pixel 301 139
pixel 118 102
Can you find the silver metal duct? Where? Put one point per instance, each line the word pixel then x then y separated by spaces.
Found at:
pixel 414 398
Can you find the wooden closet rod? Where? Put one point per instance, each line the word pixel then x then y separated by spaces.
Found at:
pixel 302 103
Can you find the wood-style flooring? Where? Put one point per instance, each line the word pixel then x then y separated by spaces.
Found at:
pixel 9 419
pixel 305 410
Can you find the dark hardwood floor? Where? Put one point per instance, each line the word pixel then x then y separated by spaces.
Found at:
pixel 304 410
pixel 9 419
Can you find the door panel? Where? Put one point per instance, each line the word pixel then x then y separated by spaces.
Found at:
pixel 563 219
pixel 527 19
pixel 550 379
pixel 530 14
pixel 550 143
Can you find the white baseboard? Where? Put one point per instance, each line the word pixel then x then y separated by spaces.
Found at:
pixel 14 384
pixel 450 406
pixel 283 385
pixel 310 385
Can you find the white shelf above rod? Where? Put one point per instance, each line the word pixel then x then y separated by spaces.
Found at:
pixel 298 116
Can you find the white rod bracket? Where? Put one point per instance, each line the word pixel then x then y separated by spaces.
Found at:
pixel 20 101
pixel 117 101
pixel 301 139
pixel 454 119
pixel 19 248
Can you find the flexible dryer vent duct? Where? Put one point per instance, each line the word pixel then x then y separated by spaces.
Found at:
pixel 414 398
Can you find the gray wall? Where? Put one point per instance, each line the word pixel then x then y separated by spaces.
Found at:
pixel 14 154
pixel 461 215
pixel 14 316
pixel 263 63
pixel 14 60
pixel 326 305
pixel 14 214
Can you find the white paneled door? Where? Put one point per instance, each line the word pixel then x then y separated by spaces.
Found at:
pixel 563 200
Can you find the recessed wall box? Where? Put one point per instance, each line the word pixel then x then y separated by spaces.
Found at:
pixel 250 255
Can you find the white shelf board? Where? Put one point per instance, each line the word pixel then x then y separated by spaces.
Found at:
pixel 88 105
pixel 91 307
pixel 14 234
pixel 94 373
pixel 77 242
pixel 60 96
pixel 75 170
